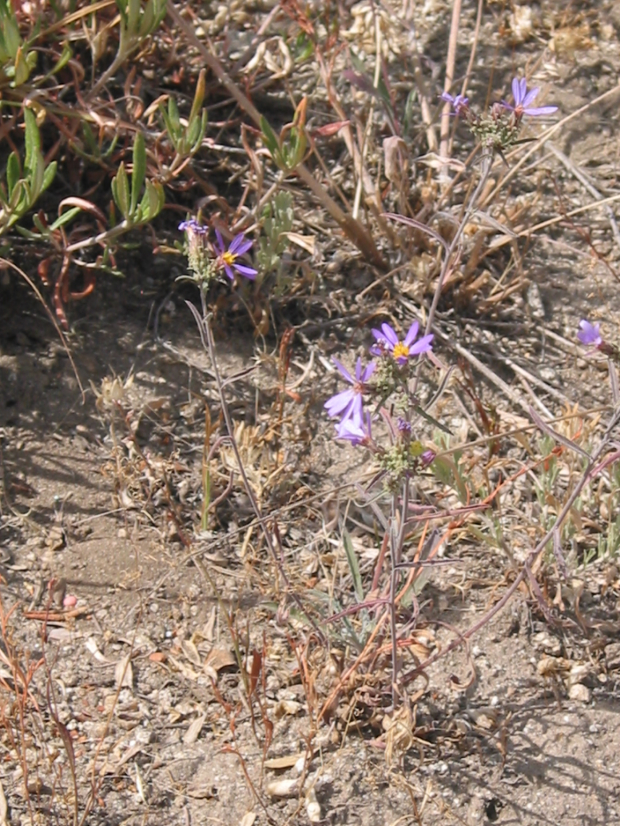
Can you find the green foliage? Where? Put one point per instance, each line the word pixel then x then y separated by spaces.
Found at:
pixel 138 21
pixel 186 140
pixel 277 220
pixel 127 198
pixel 93 149
pixel 289 148
pixel 24 185
pixel 16 61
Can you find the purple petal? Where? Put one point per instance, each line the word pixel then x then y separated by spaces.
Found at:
pixel 239 245
pixel 422 346
pixel 358 369
pixel 540 110
pixel 353 432
pixel 589 333
pixel 343 371
pixel 220 244
pixel 516 90
pixel 370 369
pixel 411 334
pixel 447 97
pixel 389 333
pixel 530 97
pixel 229 272
pixel 350 432
pixel 248 272
pixel 339 404
pixel 378 334
pixel 355 411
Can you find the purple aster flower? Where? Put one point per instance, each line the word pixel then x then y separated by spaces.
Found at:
pixel 192 227
pixel 427 458
pixel 402 351
pixel 357 433
pixel 227 257
pixel 523 100
pixel 403 426
pixel 348 403
pixel 459 103
pixel 590 333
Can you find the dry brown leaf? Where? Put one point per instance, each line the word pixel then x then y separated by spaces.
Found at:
pixel 185 670
pixel 193 732
pixel 219 658
pixel 286 762
pixel 191 652
pixel 287 787
pixel 123 673
pixel 306 242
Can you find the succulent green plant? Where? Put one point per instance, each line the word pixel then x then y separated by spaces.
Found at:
pixel 24 184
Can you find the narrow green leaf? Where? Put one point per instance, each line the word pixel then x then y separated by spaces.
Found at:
pixel 12 38
pixel 35 177
pixel 120 191
pixel 199 96
pixel 48 175
pixel 196 143
pixel 148 21
pixel 33 140
pixel 12 172
pixel 353 564
pixel 122 9
pixel 139 170
pixel 133 16
pixel 22 69
pixel 64 58
pixel 64 219
pixel 269 137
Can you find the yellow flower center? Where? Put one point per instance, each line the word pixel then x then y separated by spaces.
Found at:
pixel 229 258
pixel 401 350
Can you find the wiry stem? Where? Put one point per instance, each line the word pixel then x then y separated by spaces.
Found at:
pixel 206 335
pixel 487 161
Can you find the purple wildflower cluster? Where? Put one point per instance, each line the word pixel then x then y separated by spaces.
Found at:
pixel 500 128
pixel 590 335
pixel 348 405
pixel 401 351
pixel 205 259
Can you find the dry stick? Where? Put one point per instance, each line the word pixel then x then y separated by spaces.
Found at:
pixel 527 565
pixel 545 137
pixel 487 161
pixel 375 82
pixel 207 339
pixel 444 148
pixel 356 233
pixel 583 178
